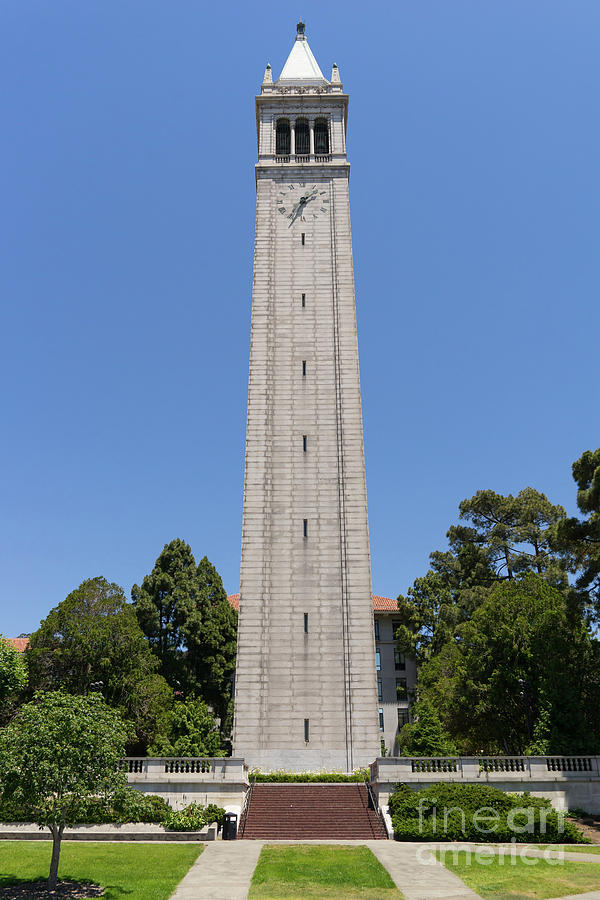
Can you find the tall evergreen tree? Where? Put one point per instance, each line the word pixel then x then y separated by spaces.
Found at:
pixel 184 611
pixel 507 536
pixel 579 539
pixel 164 603
pixel 210 637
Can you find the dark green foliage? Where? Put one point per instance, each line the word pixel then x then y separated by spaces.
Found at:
pixel 359 776
pixel 579 539
pixel 506 538
pixel 194 817
pixel 210 635
pixel 459 812
pixel 189 729
pixel 515 678
pixel 184 612
pixel 93 637
pixel 505 654
pixel 163 603
pixel 425 736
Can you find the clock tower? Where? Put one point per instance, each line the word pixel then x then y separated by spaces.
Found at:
pixel 306 696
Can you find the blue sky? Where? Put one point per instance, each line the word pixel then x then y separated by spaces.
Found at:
pixel 126 252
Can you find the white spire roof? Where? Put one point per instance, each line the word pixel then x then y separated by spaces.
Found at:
pixel 301 67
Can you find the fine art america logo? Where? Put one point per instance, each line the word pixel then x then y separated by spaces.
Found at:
pixel 508 832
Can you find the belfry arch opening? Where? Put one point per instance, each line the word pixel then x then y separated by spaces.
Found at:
pixel 282 137
pixel 302 135
pixel 321 136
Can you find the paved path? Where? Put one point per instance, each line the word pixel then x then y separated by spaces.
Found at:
pixel 417 873
pixel 222 872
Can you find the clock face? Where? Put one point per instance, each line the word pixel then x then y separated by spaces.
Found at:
pixel 302 202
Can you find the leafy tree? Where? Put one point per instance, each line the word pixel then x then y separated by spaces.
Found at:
pixel 189 729
pixel 579 539
pixel 13 675
pixel 184 612
pixel 506 538
pixel 425 736
pixel 519 675
pixel 58 752
pixel 92 641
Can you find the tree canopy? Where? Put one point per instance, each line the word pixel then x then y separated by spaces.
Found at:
pixel 59 751
pixel 188 729
pixel 92 641
pixel 506 656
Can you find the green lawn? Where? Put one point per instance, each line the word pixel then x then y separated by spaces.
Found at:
pixel 572 848
pixel 496 881
pixel 137 871
pixel 321 871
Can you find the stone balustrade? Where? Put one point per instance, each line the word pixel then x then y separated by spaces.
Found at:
pixel 568 781
pixel 187 768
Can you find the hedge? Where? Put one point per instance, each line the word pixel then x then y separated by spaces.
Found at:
pixel 358 776
pixel 459 812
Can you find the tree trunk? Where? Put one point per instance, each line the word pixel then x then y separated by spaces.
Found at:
pixel 57 833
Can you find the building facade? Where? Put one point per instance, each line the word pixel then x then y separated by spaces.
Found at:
pixel 396 673
pixel 306 688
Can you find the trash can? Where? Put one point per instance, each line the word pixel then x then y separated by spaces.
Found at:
pixel 230 827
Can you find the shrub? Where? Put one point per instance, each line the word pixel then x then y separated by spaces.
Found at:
pixel 460 812
pixel 194 817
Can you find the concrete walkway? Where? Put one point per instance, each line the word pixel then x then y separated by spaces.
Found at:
pixel 417 873
pixel 222 872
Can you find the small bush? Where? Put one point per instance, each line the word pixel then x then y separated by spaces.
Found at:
pixel 460 812
pixel 194 817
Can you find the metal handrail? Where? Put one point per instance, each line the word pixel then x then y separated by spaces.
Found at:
pixel 245 808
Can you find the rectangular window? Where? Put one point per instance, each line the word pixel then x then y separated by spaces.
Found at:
pixel 401 689
pixel 305 623
pixel 306 731
pixel 305 527
pixel 376 626
pixel 303 300
pixel 379 690
pixel 303 367
pixel 403 717
pixel 395 625
pixel 399 661
pixel 378 660
pixel 381 718
pixel 303 239
pixel 304 442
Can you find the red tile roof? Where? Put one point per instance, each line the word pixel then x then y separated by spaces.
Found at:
pixel 19 644
pixel 380 604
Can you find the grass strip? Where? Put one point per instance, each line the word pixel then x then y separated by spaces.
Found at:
pixel 143 871
pixel 323 871
pixel 495 878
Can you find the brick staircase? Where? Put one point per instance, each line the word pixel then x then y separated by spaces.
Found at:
pixel 311 812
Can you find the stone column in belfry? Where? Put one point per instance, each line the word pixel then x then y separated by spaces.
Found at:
pixel 306 693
